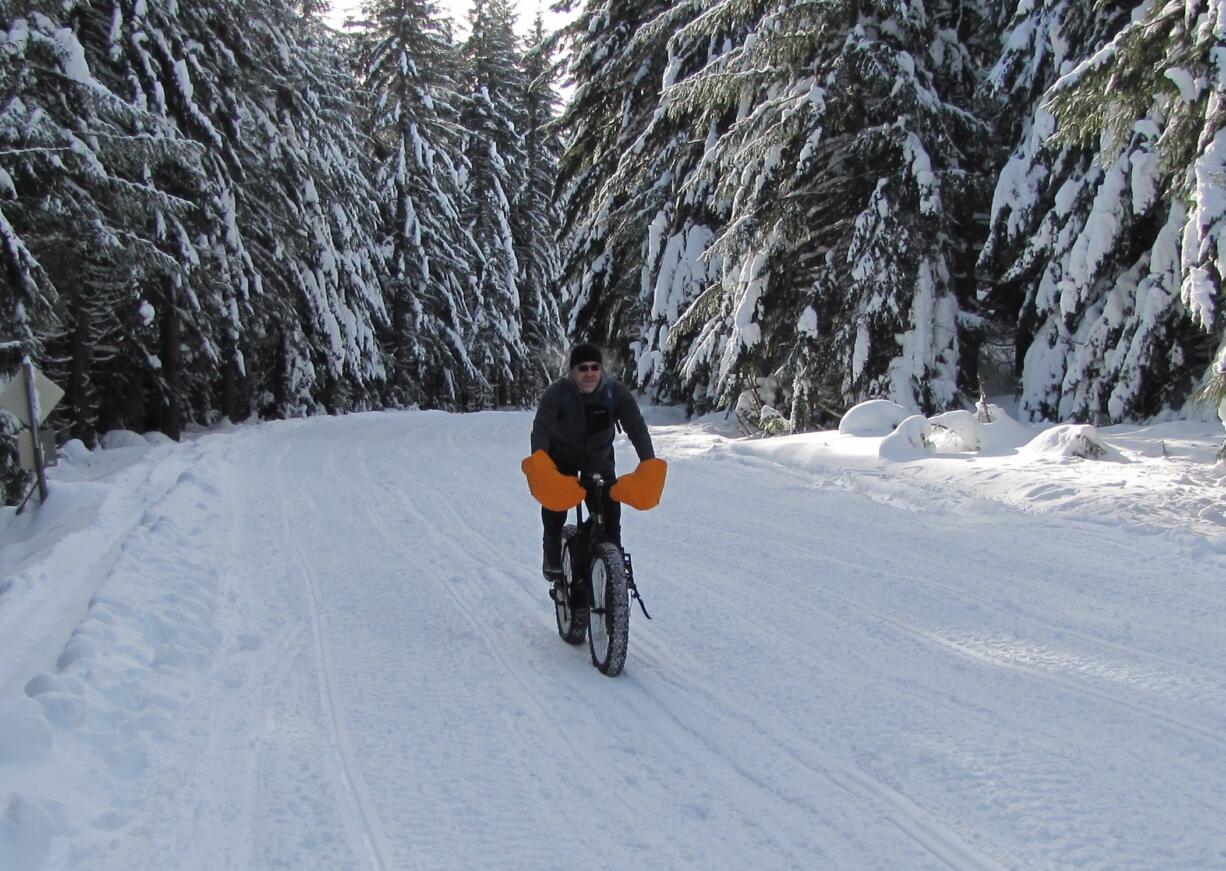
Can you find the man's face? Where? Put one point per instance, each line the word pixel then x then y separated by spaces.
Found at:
pixel 587 376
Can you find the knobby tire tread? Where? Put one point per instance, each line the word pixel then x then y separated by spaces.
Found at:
pixel 572 624
pixel 617 606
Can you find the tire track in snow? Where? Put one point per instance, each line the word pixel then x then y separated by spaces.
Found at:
pixel 930 640
pixel 593 759
pixel 909 818
pixel 1086 530
pixel 373 521
pixel 1217 678
pixel 447 544
pixel 355 787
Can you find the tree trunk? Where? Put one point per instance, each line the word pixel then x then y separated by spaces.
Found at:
pixel 172 363
pixel 400 345
pixel 80 359
pixel 281 379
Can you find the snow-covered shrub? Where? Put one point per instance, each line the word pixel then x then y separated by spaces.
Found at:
pixel 961 427
pixel 755 412
pixel 772 422
pixel 74 451
pixel 911 440
pixel 1068 440
pixel 1003 435
pixel 874 417
pixel 123 438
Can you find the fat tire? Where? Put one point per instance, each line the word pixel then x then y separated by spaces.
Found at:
pixel 572 622
pixel 614 625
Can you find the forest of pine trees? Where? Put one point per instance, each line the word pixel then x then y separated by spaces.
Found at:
pixel 833 201
pixel 227 209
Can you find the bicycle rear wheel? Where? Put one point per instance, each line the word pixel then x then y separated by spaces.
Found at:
pixel 609 615
pixel 569 602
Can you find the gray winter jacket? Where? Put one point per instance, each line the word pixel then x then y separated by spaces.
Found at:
pixel 577 429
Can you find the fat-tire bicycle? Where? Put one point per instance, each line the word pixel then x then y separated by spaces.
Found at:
pixel 592 596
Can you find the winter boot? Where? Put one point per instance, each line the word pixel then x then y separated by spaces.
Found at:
pixel 551 565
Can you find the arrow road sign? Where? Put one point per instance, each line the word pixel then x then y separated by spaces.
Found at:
pixel 13 397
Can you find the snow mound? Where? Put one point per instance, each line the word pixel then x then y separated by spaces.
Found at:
pixel 1003 435
pixel 911 440
pixel 155 438
pixel 28 827
pixel 1068 440
pixel 717 423
pixel 662 415
pixel 772 422
pixel 123 438
pixel 74 451
pixel 955 431
pixel 875 417
pixel 25 736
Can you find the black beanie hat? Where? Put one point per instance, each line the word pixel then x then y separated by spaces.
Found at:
pixel 584 353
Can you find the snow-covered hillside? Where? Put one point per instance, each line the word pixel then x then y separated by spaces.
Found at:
pixel 326 644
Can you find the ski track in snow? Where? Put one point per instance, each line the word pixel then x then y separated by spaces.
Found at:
pixel 326 644
pixel 355 786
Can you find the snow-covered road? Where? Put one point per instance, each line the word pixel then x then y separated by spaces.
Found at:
pixel 328 645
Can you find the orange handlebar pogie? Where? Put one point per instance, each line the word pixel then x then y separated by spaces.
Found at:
pixel 642 488
pixel 551 488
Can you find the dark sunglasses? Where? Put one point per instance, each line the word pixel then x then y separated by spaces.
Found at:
pixel 588 367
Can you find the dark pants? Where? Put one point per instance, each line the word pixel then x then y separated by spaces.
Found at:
pixel 555 520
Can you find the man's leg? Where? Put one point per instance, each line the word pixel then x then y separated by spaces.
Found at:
pixel 551 540
pixel 613 518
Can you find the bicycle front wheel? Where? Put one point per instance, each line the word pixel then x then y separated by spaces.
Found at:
pixel 609 615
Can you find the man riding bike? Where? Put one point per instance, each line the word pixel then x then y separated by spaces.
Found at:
pixel 572 434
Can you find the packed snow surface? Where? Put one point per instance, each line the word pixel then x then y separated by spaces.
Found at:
pixel 326 644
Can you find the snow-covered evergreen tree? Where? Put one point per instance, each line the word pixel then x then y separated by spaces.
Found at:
pixel 35 143
pixel 494 149
pixel 409 77
pixel 317 199
pixel 659 197
pixel 535 217
pixel 1107 220
pixel 616 88
pixel 843 158
pixel 84 182
pixel 235 220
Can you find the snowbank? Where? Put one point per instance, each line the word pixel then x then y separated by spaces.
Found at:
pixel 909 441
pixel 74 451
pixel 117 439
pixel 1002 435
pixel 1069 440
pixel 955 431
pixel 876 417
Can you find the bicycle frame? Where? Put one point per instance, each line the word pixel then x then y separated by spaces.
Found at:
pixel 596 528
pixel 597 535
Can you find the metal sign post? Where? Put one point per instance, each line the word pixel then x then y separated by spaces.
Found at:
pixel 27 369
pixel 40 396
